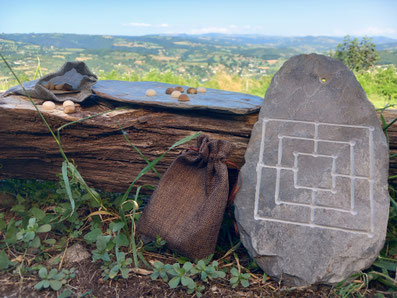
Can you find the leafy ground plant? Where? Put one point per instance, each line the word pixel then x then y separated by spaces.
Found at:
pixel 188 275
pixel 29 234
pixel 239 278
pixel 161 270
pixel 181 275
pixel 206 270
pixel 53 278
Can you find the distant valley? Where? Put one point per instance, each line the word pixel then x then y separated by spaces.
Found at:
pixel 199 56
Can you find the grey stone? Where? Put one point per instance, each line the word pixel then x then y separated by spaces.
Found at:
pixel 313 205
pixel 74 254
pixel 213 100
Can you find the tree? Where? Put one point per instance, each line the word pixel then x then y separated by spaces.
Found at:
pixel 358 56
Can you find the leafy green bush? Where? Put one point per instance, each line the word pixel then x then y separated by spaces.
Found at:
pixel 380 85
pixel 358 56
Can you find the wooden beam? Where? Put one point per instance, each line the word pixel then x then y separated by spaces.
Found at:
pixel 98 148
pixel 101 154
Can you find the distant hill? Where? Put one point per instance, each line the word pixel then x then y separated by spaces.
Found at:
pixel 304 43
pixel 199 56
pixel 387 46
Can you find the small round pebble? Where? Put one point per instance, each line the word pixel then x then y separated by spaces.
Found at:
pixel 175 94
pixel 48 105
pixel 179 88
pixel 151 92
pixel 183 97
pixel 191 91
pixel 68 103
pixel 67 87
pixel 59 87
pixel 169 90
pixel 69 109
pixel 201 90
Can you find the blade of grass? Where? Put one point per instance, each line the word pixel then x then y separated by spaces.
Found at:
pixel 38 69
pixel 154 162
pixel 394 204
pixel 67 185
pixel 384 278
pixel 140 255
pixel 230 251
pixel 390 124
pixel 133 243
pixel 136 149
pixel 81 180
pixel 384 127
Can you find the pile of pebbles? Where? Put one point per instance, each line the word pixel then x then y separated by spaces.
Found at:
pixel 177 92
pixel 63 87
pixel 68 105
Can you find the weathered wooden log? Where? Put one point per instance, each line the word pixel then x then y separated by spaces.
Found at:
pixel 389 116
pixel 97 145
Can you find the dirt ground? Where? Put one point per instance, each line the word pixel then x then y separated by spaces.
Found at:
pixel 89 283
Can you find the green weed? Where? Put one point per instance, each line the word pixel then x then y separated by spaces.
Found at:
pixel 54 279
pixel 239 278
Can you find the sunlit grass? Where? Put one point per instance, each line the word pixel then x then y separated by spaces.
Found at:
pixel 380 85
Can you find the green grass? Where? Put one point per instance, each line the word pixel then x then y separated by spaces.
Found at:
pixel 379 84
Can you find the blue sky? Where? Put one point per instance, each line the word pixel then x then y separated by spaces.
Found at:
pixel 283 17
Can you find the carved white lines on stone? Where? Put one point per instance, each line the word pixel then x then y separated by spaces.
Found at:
pixel 326 178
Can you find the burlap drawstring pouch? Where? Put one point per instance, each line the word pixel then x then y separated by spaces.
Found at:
pixel 75 75
pixel 187 207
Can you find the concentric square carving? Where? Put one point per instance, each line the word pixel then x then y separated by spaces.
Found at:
pixel 316 174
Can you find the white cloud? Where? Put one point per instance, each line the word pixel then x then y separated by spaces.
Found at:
pixel 164 25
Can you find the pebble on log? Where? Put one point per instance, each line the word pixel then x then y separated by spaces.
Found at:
pixel 191 91
pixel 169 90
pixel 183 97
pixel 151 92
pixel 201 90
pixel 175 94
pixel 48 105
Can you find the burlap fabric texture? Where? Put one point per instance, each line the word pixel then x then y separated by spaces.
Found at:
pixel 188 205
pixel 76 74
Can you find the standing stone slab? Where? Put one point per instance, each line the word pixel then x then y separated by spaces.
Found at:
pixel 313 206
